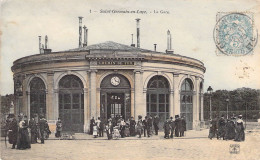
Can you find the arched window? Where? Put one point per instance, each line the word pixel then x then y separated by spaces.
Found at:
pixel 71 103
pixel 186 102
pixel 37 97
pixel 157 97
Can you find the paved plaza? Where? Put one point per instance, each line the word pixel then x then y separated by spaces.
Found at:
pixel 195 145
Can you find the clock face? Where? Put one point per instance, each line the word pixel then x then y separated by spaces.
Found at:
pixel 115 81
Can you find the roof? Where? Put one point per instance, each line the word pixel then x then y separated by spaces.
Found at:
pixel 110 45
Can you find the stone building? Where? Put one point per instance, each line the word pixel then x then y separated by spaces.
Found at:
pixel 108 79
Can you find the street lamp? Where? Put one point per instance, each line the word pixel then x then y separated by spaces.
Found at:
pixel 210 90
pixel 227 100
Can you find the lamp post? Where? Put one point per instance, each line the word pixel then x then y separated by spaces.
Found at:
pixel 210 90
pixel 227 100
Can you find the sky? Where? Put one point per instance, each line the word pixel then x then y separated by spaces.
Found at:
pixel 191 24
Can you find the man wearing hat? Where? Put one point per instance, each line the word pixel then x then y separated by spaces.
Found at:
pixel 42 125
pixel 167 128
pixel 132 126
pixel 12 130
pixel 145 125
pixel 222 128
pixel 156 121
pixel 149 125
pixel 177 125
pixel 172 124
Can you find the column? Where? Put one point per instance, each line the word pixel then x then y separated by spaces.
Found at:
pixel 196 105
pixel 202 107
pixel 176 94
pixel 28 95
pixel 23 99
pixel 138 107
pixel 49 97
pixel 86 111
pixel 55 104
pixel 98 101
pixel 132 103
pixel 171 105
pixel 93 89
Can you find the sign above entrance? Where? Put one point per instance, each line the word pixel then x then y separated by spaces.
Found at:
pixel 115 63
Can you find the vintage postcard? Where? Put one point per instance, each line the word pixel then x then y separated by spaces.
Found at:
pixel 128 79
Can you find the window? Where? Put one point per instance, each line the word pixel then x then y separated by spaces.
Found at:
pixel 157 97
pixel 37 97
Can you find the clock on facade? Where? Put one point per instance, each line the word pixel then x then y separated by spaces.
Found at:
pixel 115 81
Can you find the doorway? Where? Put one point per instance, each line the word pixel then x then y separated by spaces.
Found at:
pixel 115 105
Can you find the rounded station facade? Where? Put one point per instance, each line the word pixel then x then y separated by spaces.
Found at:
pixel 108 79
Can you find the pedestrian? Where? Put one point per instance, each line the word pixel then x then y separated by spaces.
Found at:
pixel 156 121
pixel 12 130
pixel 213 128
pixel 149 125
pixel 139 126
pixel 221 128
pixel 33 128
pixel 172 124
pixel 23 134
pixel 47 131
pixel 95 130
pixel 177 125
pixel 182 126
pixel 230 129
pixel 58 128
pixel 100 128
pixel 122 128
pixel 167 128
pixel 92 122
pixel 42 127
pixel 145 126
pixel 109 129
pixel 240 130
pixel 98 124
pixel 127 129
pixel 132 126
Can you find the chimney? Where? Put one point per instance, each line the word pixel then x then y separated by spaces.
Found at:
pixel 80 32
pixel 169 43
pixel 40 38
pixel 155 47
pixel 45 49
pixel 132 44
pixel 46 42
pixel 85 36
pixel 138 31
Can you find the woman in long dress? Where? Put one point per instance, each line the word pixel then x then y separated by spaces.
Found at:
pixel 240 130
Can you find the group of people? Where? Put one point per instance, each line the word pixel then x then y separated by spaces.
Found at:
pixel 175 127
pixel 22 133
pixel 118 127
pixel 228 129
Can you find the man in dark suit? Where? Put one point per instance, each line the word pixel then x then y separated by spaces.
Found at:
pixel 12 129
pixel 177 125
pixel 149 125
pixel 132 126
pixel 42 125
pixel 182 126
pixel 145 125
pixel 156 121
pixel 167 128
pixel 172 123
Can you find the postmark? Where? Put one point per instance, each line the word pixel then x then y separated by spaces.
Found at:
pixel 234 34
pixel 234 148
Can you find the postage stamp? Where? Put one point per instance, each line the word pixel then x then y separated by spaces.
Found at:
pixel 234 34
